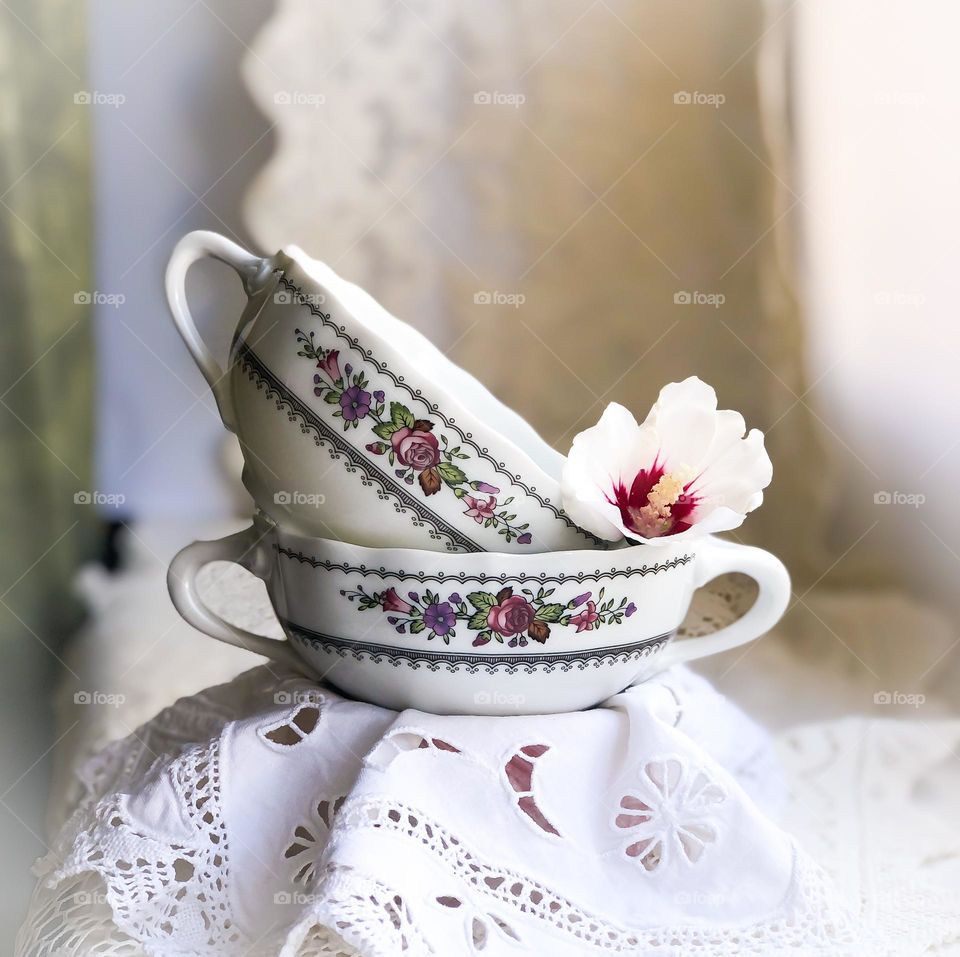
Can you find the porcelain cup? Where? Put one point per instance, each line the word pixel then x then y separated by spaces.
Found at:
pixel 485 633
pixel 355 427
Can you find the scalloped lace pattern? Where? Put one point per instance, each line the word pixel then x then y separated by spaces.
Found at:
pixel 810 916
pixel 82 912
pixel 158 884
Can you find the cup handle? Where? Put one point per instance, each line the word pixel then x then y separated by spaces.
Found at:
pixel 246 549
pixel 718 557
pixel 192 247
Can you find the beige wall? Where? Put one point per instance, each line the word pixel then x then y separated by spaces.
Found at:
pixel 879 126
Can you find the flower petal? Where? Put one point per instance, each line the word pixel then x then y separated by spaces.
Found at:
pixel 736 474
pixel 598 517
pixel 692 391
pixel 684 417
pixel 599 458
pixel 608 452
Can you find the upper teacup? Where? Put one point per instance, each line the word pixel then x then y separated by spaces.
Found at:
pixel 356 427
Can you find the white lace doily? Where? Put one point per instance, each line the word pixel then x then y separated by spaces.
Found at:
pixel 259 818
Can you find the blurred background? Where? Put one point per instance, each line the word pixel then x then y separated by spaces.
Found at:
pixel 578 201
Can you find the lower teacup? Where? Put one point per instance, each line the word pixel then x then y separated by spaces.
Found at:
pixel 485 633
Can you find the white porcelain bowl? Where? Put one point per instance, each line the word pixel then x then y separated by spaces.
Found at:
pixel 486 633
pixel 355 427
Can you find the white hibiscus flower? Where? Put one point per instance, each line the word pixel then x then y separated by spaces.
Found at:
pixel 689 469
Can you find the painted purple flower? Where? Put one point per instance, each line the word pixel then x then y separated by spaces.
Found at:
pixel 378 395
pixel 354 403
pixel 580 599
pixel 455 598
pixel 525 539
pixel 630 609
pixel 484 487
pixel 439 618
pixel 330 365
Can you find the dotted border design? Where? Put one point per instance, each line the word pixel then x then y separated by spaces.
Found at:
pixel 473 663
pixel 542 578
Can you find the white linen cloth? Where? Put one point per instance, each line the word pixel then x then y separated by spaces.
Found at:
pixel 269 816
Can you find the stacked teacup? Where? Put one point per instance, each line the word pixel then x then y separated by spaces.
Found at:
pixel 411 529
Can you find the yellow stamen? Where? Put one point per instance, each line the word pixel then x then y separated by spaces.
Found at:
pixel 655 518
pixel 667 491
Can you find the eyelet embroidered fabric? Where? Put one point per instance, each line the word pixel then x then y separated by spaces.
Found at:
pixel 278 818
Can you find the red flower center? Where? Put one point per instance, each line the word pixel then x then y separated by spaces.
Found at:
pixel 645 513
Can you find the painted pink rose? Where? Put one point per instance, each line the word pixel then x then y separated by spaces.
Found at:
pixel 393 602
pixel 416 448
pixel 512 616
pixel 479 510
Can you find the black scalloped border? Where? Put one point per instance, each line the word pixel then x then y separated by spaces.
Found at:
pixel 465 437
pixel 473 663
pixel 259 373
pixel 540 579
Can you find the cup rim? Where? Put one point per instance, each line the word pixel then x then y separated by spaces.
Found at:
pixel 403 562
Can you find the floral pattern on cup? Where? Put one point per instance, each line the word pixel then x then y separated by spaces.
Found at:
pixel 414 449
pixel 506 616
